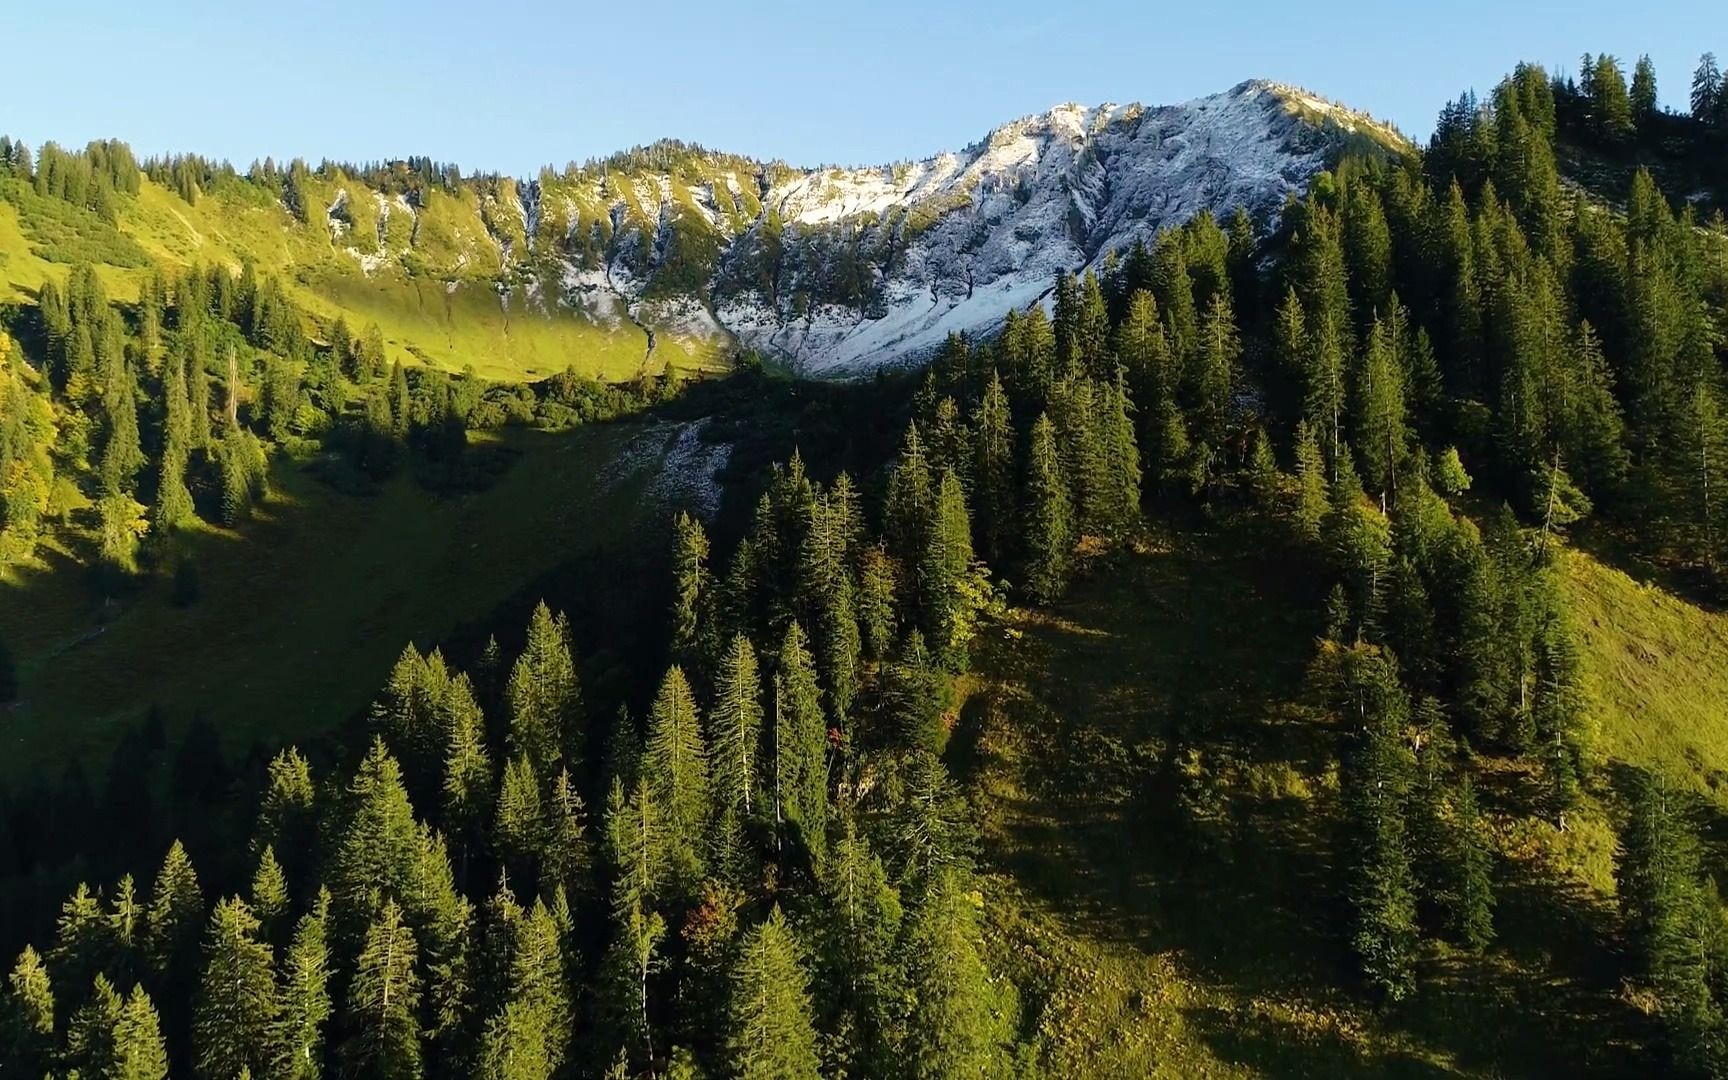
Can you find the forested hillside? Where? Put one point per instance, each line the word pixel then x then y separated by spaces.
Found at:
pixel 1296 649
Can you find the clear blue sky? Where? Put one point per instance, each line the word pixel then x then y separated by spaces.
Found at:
pixel 510 86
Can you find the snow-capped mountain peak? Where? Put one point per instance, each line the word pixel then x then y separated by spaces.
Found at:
pixel 974 233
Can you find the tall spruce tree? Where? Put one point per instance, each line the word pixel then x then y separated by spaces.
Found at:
pixel 962 1018
pixel 676 766
pixel 237 1008
pixel 383 1001
pixel 689 582
pixel 139 1052
pixel 303 997
pixel 799 735
pixel 735 733
pixel 543 696
pixel 993 470
pixel 1049 516
pixel 1362 684
pixel 770 1035
pixel 1669 920
pixel 27 1017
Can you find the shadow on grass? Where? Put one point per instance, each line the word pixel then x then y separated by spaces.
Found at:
pixel 1147 775
pixel 1612 546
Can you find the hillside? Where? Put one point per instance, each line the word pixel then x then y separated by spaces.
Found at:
pixel 1290 646
pixel 672 257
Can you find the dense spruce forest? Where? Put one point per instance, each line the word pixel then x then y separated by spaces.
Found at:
pixel 755 854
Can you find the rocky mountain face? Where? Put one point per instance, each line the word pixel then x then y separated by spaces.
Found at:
pixel 839 270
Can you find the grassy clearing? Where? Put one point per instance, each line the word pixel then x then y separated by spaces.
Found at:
pixel 1658 666
pixel 302 611
pixel 1159 811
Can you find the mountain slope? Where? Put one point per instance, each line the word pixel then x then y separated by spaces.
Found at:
pixel 673 257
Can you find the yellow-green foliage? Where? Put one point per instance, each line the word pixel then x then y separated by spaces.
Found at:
pixel 435 293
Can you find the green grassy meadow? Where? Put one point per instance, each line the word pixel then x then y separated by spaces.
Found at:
pixel 302 611
pixel 440 303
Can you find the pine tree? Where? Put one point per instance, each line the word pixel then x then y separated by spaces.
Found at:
pixel 676 767
pixel 467 788
pixel 122 457
pixel 636 845
pixel 1173 288
pixel 236 1010
pixel 1092 330
pixel 1703 441
pixel 1557 700
pixel 1381 424
pixel 828 602
pixel 943 570
pixel 993 470
pixel 173 500
pixel 83 945
pixel 1449 849
pixel 515 1045
pixel 404 712
pixel 376 857
pixel 1367 252
pixel 303 994
pixel 1311 488
pixel 382 1001
pixel 90 1048
pixel 734 732
pixel 1644 102
pixel 770 1034
pixel 543 696
pixel 126 918
pixel 962 1019
pixel 1363 688
pixel 800 745
pixel 537 988
pixel 139 1053
pixel 1319 279
pixel 518 825
pixel 176 911
pixel 1049 524
pixel 27 1017
pixel 1473 913
pixel 1122 492
pixel 566 859
pixel 689 580
pixel 632 959
pixel 910 501
pixel 858 955
pixel 1669 920
pixel 269 892
pixel 877 617
pixel 1707 92
pixel 1080 443
pixel 1064 311
pixel 198 395
pixel 1360 541
pixel 945 439
pixel 287 816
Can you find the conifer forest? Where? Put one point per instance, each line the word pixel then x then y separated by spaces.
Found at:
pixel 1293 642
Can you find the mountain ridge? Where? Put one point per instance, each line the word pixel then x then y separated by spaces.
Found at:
pixel 673 256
